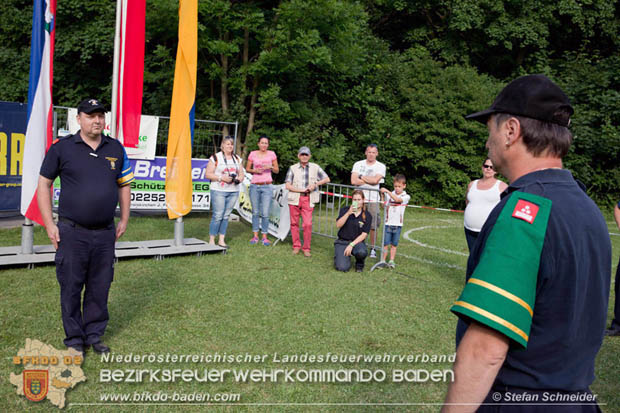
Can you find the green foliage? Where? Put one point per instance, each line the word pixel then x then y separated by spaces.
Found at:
pixel 593 84
pixel 415 115
pixel 502 38
pixel 16 23
pixel 84 50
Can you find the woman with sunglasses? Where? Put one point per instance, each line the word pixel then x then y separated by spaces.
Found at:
pixel 482 196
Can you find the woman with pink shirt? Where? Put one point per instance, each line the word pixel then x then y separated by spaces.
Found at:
pixel 260 164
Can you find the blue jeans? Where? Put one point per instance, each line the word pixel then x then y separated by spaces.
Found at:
pixel 222 204
pixel 392 235
pixel 342 263
pixel 260 195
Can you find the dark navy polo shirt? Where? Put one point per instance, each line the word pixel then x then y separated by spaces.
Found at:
pixel 354 226
pixel 571 286
pixel 89 179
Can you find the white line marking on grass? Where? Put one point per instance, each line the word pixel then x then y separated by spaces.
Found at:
pixel 421 244
pixel 450 221
pixel 425 261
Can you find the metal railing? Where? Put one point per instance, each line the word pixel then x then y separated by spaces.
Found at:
pixel 208 134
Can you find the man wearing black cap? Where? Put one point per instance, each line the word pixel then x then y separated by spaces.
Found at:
pixel 94 175
pixel 533 310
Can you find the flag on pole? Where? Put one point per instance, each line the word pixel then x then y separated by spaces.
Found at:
pixel 181 130
pixel 128 71
pixel 39 124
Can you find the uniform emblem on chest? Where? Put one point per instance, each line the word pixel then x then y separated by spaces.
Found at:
pixel 525 210
pixel 112 162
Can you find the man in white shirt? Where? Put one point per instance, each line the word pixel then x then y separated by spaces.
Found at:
pixel 368 174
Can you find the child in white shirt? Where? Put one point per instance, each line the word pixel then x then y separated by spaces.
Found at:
pixel 395 210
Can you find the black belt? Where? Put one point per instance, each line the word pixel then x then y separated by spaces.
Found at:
pixel 89 227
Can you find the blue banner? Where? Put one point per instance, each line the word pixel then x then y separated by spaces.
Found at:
pixel 12 135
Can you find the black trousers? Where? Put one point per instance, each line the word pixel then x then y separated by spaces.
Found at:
pixel 343 263
pixel 615 324
pixel 84 260
pixel 471 237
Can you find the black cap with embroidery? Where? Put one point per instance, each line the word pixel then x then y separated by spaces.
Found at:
pixel 90 106
pixel 532 96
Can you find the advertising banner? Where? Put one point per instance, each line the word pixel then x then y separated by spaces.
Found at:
pixel 148 193
pixel 13 117
pixel 279 217
pixel 148 134
pixel 148 189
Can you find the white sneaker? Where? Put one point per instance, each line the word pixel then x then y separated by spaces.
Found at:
pixel 373 254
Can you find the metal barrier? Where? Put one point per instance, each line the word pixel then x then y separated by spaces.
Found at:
pixel 334 197
pixel 208 134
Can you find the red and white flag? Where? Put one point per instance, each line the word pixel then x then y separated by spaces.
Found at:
pixel 128 71
pixel 39 125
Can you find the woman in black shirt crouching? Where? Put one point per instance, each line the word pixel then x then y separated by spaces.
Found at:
pixel 354 224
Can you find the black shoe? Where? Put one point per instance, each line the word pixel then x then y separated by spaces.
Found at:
pixel 77 347
pixel 359 269
pixel 100 348
pixel 612 332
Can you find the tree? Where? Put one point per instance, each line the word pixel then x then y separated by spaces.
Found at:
pixel 268 59
pixel 593 85
pixel 502 38
pixel 15 37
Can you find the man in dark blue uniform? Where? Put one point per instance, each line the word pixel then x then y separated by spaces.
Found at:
pixel 614 329
pixel 533 310
pixel 94 175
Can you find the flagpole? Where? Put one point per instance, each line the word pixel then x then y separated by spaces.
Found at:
pixel 27 236
pixel 115 70
pixel 179 231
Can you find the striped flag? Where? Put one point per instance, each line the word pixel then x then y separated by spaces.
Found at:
pixel 128 71
pixel 39 126
pixel 181 130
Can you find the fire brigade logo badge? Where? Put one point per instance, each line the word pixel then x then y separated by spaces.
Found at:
pixel 525 210
pixel 36 384
pixel 112 162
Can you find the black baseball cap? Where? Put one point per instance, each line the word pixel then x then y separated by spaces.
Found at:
pixel 90 105
pixel 532 96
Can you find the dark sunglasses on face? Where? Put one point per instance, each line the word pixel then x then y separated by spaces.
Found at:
pixel 487 166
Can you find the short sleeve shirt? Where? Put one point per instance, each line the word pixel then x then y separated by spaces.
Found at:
pixel 320 174
pixel 264 162
pixel 539 274
pixel 364 169
pixel 89 179
pixel 226 167
pixel 354 226
pixel 395 211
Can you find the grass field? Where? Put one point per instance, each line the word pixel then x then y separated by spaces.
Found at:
pixel 264 301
